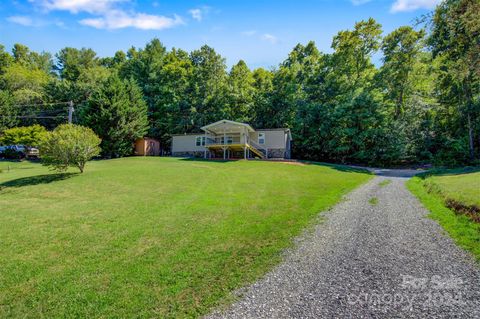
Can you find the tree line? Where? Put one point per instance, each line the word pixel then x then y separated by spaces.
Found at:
pixel 420 104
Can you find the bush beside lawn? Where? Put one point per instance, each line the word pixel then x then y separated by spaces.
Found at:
pixel 453 198
pixel 150 237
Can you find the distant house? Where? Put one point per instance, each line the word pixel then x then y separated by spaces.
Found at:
pixel 147 146
pixel 228 139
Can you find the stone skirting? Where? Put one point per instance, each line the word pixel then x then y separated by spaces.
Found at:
pixel 189 154
pixel 272 153
pixel 276 153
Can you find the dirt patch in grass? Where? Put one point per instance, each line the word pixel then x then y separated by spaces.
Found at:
pixel 461 228
pixel 293 163
pixel 471 211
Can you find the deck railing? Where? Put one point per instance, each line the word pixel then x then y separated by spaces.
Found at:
pixel 228 140
pixel 258 146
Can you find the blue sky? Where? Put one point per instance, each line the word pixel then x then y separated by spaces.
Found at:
pixel 261 32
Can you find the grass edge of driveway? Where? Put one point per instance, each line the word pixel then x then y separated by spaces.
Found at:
pixel 461 229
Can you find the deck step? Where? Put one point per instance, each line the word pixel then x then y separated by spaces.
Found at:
pixel 257 151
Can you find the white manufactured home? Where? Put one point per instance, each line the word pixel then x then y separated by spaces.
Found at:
pixel 228 139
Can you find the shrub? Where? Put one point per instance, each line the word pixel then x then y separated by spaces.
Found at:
pixel 69 145
pixel 23 135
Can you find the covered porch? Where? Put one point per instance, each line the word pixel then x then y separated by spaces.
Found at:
pixel 228 139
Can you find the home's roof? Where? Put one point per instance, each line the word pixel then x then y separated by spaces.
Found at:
pixel 186 134
pixel 226 126
pixel 273 129
pixel 229 126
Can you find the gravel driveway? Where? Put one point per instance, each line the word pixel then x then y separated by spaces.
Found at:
pixel 371 258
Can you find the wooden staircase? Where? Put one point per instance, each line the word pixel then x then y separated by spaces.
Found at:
pixel 257 149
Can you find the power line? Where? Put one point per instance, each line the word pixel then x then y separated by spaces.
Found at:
pixel 35 117
pixel 45 111
pixel 41 104
pixel 44 114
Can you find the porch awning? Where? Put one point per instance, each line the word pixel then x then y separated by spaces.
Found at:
pixel 227 127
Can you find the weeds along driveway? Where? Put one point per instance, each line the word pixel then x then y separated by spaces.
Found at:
pixel 375 256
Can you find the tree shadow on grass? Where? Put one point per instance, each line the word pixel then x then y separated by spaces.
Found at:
pixel 338 167
pixel 341 168
pixel 450 172
pixel 36 180
pixel 209 160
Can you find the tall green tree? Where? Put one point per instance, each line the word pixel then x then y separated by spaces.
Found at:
pixel 144 66
pixel 240 93
pixel 8 111
pixel 5 59
pixel 400 54
pixel 263 90
pixel 207 87
pixel 117 113
pixel 71 62
pixel 170 110
pixel 25 88
pixel 352 57
pixel 455 42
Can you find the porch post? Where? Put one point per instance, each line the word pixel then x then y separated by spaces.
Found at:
pixel 205 146
pixel 244 152
pixel 224 143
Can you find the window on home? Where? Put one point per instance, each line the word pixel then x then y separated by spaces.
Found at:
pixel 226 140
pixel 261 138
pixel 200 141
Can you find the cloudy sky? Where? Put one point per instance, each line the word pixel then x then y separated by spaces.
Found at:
pixel 261 32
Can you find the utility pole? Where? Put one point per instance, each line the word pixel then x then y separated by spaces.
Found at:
pixel 70 112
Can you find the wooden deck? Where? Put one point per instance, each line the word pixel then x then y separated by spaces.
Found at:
pixel 236 147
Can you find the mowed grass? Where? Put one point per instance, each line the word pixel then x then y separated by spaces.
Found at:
pixel 463 188
pixel 436 191
pixel 150 237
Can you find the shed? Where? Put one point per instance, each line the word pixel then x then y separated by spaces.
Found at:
pixel 147 146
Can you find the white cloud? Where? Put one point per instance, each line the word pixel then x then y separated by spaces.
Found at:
pixel 249 33
pixel 34 21
pixel 412 5
pixel 359 2
pixel 196 14
pixel 76 6
pixel 119 20
pixel 199 13
pixel 108 14
pixel 270 38
pixel 22 20
pixel 267 37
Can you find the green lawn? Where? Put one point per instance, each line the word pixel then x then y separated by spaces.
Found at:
pixel 150 237
pixel 463 188
pixel 437 191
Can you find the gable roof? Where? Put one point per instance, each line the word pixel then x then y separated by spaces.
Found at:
pixel 224 124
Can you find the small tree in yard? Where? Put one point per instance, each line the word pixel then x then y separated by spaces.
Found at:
pixel 69 145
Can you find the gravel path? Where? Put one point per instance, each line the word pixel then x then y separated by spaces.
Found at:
pixel 367 260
